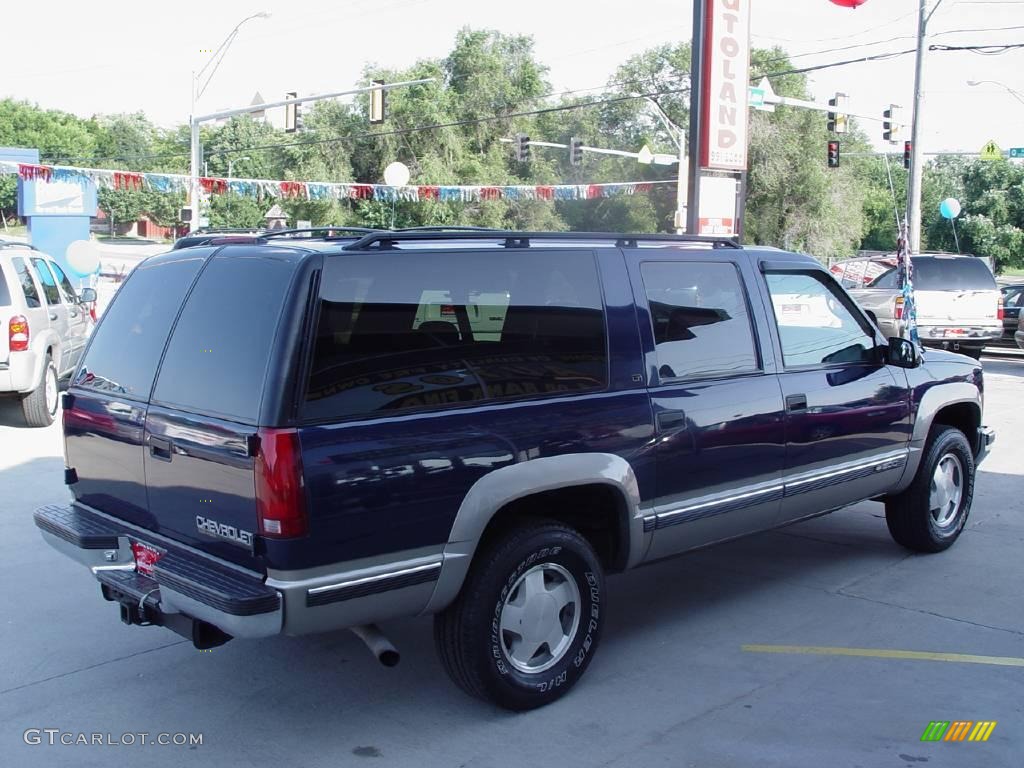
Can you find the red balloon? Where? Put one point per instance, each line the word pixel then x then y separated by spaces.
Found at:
pixel 848 3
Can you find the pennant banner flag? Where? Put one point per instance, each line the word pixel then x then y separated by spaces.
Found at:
pixel 323 190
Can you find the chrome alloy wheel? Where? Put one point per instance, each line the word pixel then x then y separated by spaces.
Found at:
pixel 539 618
pixel 947 489
pixel 50 383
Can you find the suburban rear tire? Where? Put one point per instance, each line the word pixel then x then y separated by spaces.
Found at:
pixel 930 515
pixel 539 585
pixel 40 405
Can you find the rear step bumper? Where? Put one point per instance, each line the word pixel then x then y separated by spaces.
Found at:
pixel 184 585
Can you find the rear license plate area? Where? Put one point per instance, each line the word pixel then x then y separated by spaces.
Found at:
pixel 145 557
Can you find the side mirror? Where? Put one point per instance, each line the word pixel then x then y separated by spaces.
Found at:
pixel 87 295
pixel 902 353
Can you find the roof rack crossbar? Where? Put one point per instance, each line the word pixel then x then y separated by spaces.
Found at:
pixel 311 230
pixel 513 239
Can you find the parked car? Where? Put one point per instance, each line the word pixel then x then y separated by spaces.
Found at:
pixel 481 426
pixel 45 323
pixel 957 300
pixel 1013 300
pixel 1019 335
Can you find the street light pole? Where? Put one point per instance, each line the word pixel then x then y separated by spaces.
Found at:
pixel 195 153
pixel 916 155
pixel 1016 94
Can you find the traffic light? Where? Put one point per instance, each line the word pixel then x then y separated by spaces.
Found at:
pixel 377 104
pixel 892 125
pixel 576 151
pixel 833 154
pixel 522 148
pixel 837 119
pixel 906 154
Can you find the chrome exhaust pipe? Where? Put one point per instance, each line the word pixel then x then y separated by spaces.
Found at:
pixel 378 644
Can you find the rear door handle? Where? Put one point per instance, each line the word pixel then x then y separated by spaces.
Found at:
pixel 796 402
pixel 160 448
pixel 669 419
pixel 53 315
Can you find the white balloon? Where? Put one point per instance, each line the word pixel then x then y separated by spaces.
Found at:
pixel 83 257
pixel 396 175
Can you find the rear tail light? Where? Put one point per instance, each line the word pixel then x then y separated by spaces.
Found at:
pixel 17 334
pixel 280 495
pixel 898 309
pixel 1000 312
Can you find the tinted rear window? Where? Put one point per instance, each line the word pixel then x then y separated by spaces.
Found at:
pixel 939 274
pixel 126 346
pixel 5 293
pixel 216 360
pixel 401 331
pixel 28 285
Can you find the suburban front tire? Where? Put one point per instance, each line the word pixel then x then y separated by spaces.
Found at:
pixel 40 405
pixel 930 515
pixel 528 619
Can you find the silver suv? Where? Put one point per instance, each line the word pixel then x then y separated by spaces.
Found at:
pixel 959 306
pixel 45 324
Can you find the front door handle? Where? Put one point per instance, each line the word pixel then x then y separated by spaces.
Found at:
pixel 160 448
pixel 796 402
pixel 670 419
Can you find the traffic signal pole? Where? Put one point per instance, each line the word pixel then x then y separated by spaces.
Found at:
pixel 196 153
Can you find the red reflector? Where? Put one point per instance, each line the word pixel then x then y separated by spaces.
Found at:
pixel 280 495
pixel 17 334
pixel 145 557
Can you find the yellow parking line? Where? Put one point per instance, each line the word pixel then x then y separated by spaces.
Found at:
pixel 878 653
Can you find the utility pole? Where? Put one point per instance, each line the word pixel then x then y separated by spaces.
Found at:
pixel 916 156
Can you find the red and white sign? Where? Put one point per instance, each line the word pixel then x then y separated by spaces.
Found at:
pixel 717 206
pixel 725 85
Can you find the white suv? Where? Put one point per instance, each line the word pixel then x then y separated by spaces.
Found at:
pixel 44 324
pixel 959 306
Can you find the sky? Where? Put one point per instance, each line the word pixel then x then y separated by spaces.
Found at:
pixel 112 56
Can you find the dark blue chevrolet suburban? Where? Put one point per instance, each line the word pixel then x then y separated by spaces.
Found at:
pixel 293 436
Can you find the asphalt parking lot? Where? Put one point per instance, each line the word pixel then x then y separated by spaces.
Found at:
pixel 672 685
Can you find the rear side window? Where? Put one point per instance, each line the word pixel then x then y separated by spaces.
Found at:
pixel 954 274
pixel 700 319
pixel 5 292
pixel 401 331
pixel 47 281
pixel 126 347
pixel 28 285
pixel 216 361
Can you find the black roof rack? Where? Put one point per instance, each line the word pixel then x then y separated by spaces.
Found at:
pixel 448 228
pixel 355 231
pixel 16 244
pixel 384 239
